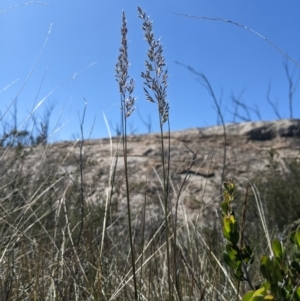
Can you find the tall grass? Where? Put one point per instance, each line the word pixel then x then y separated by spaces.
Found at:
pixel 126 87
pixel 156 77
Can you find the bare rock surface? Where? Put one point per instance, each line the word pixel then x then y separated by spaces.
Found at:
pixel 245 149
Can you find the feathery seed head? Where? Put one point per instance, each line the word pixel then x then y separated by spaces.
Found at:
pixel 126 86
pixel 156 75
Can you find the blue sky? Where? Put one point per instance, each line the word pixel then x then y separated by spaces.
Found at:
pixel 79 57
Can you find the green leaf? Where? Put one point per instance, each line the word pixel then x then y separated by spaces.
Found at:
pixel 225 208
pixel 232 250
pixel 266 268
pixel 230 229
pixel 248 296
pixel 238 273
pixel 297 237
pixel 226 222
pixel 257 298
pixel 298 292
pixel 260 292
pixel 269 297
pixel 234 238
pixel 276 270
pixel 278 248
pixel 226 233
pixel 230 262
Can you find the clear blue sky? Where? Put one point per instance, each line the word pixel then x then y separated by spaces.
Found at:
pixel 79 59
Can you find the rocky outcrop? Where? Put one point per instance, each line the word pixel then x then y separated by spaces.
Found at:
pixel 260 130
pixel 195 181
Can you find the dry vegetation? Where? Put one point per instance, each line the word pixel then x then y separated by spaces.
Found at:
pixel 55 245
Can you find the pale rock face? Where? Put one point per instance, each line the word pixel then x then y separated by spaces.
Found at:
pixel 259 130
pixel 247 151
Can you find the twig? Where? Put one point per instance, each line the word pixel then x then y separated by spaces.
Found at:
pixel 245 27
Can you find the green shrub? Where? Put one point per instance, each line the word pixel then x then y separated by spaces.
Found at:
pixel 280 271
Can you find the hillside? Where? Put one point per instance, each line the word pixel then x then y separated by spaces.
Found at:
pixel 248 147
